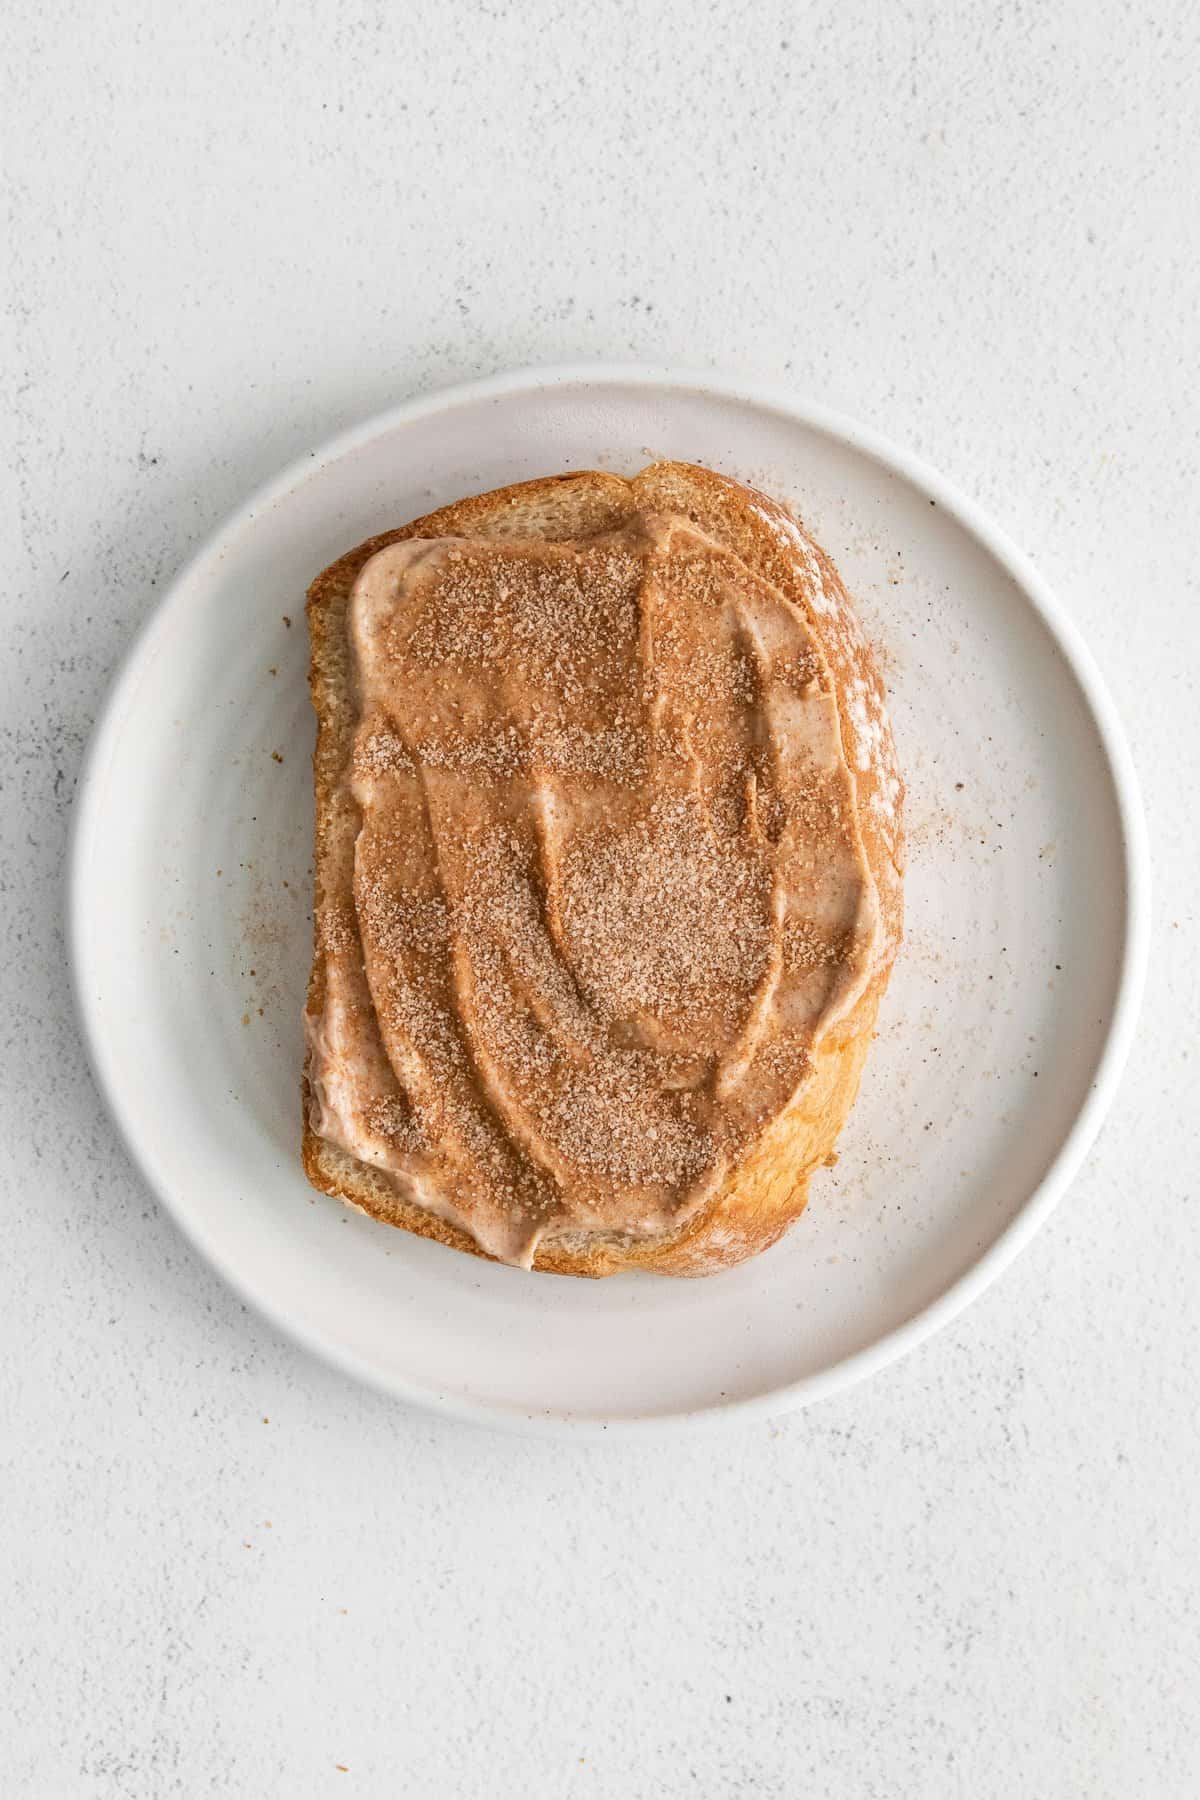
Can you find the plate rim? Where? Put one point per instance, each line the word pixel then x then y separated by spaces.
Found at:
pixel 1077 1140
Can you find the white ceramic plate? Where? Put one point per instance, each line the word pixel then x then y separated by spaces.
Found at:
pixel 1001 1037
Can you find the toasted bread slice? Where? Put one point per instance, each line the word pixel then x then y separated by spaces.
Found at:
pixel 764 1189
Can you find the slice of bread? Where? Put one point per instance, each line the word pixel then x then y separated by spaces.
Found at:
pixel 759 1195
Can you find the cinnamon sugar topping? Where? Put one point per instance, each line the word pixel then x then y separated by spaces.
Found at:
pixel 604 887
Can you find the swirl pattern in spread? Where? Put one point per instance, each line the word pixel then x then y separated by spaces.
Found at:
pixel 601 885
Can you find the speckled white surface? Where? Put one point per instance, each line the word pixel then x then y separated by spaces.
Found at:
pixel 232 230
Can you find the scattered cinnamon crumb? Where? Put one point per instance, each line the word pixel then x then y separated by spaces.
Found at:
pixel 287 621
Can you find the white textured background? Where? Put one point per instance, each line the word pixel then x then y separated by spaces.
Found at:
pixel 231 230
